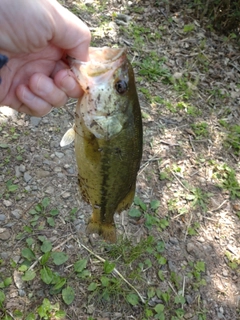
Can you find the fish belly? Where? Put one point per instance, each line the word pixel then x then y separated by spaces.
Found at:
pixel 107 171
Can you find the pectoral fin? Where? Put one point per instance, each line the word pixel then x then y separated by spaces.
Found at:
pixel 68 137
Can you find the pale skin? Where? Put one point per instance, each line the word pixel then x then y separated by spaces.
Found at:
pixel 36 36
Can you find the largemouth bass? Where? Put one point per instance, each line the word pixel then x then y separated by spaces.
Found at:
pixel 108 136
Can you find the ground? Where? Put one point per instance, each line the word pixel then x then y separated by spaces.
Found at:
pixel 177 254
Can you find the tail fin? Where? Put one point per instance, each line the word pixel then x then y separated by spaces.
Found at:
pixel 106 230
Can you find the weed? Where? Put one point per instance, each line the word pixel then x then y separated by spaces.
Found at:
pixel 154 70
pixel 193 230
pixel 233 262
pixel 150 214
pixel 233 139
pixel 165 175
pixel 40 210
pixel 198 268
pixel 48 311
pixel 199 198
pixel 227 178
pixel 188 28
pixel 200 129
pixel 129 252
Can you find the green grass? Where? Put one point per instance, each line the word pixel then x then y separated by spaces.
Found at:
pixel 40 261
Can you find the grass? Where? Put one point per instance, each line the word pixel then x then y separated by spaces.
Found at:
pixel 41 260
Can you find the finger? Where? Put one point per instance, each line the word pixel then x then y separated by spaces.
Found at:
pixel 24 109
pixel 71 34
pixel 67 82
pixel 30 103
pixel 45 88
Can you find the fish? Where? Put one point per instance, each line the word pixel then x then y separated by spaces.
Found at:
pixel 108 136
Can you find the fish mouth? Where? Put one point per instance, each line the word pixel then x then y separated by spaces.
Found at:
pixel 101 60
pixel 101 55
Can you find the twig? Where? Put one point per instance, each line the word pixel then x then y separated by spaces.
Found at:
pixel 216 209
pixel 169 144
pixel 234 66
pixel 180 181
pixel 170 285
pixel 8 312
pixel 144 165
pixel 178 215
pixel 190 141
pixel 123 224
pixel 183 289
pixel 54 249
pixel 215 220
pixel 114 270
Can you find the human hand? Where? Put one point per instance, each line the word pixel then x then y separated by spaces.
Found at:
pixel 36 36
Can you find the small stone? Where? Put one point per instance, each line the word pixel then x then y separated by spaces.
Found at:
pixel 27 176
pixel 220 315
pixel 66 195
pixel 59 154
pixel 42 173
pixel 173 240
pixel 22 168
pixel 189 299
pixel 47 162
pixel 16 259
pixel 70 170
pixel 21 292
pixel 7 203
pixel 16 213
pixel 57 169
pixel 27 188
pixel 60 175
pixel 225 273
pixel 10 224
pixel 34 121
pixel 172 266
pixel 90 309
pixel 118 315
pixel 221 310
pixel 201 239
pixel 190 247
pixel 4 255
pixel 49 190
pixel 4 234
pixel 2 217
pixel 17 172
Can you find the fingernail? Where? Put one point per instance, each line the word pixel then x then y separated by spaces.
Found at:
pixel 27 94
pixel 44 87
pixel 68 83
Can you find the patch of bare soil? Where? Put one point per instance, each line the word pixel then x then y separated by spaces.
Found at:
pixel 186 76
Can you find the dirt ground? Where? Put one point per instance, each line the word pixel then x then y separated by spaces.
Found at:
pixel 184 167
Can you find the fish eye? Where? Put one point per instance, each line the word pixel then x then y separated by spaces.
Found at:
pixel 121 86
